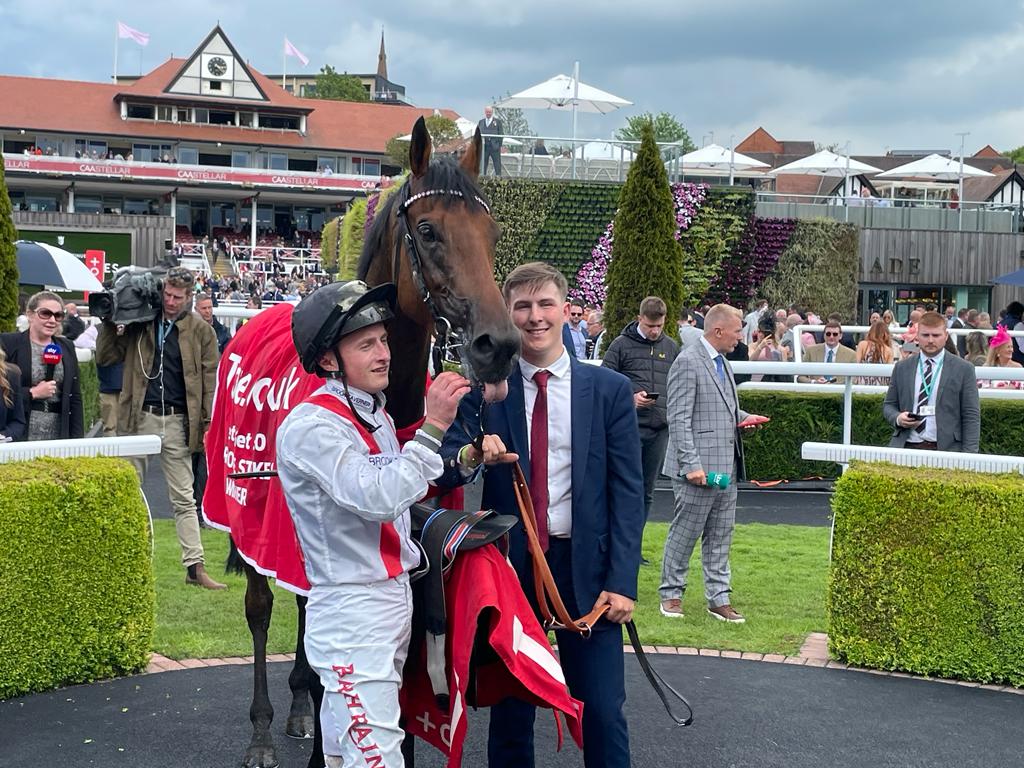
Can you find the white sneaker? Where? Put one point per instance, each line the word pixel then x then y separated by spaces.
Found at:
pixel 672 608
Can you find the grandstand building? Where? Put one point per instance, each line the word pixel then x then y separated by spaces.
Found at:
pixel 200 150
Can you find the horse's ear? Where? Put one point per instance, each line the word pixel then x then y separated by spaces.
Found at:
pixel 419 149
pixel 471 157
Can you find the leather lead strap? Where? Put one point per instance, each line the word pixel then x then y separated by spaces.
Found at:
pixel 549 601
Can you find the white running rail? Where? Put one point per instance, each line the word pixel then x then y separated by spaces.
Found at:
pixel 125 447
pixel 909 457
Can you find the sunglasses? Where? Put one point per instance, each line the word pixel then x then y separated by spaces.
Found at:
pixel 45 314
pixel 833 333
pixel 575 314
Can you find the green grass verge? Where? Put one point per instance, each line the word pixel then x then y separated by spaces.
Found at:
pixel 779 576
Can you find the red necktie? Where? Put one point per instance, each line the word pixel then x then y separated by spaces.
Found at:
pixel 539 456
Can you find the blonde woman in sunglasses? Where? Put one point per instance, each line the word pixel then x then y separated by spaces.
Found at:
pixel 50 385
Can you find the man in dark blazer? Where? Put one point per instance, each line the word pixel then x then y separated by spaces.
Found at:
pixel 592 491
pixel 939 387
pixel 493 134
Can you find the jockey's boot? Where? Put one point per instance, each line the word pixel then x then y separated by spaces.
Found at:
pixel 197 576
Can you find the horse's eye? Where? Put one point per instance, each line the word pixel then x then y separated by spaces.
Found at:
pixel 427 232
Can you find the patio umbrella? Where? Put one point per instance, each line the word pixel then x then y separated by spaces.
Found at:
pixel 566 94
pixel 934 167
pixel 604 150
pixel 53 267
pixel 826 163
pixel 715 157
pixel 1010 278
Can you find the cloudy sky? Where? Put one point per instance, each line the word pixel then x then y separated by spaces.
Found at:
pixel 881 74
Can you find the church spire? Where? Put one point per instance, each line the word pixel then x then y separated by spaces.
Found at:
pixel 382 58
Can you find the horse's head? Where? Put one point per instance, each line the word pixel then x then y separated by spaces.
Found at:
pixel 442 240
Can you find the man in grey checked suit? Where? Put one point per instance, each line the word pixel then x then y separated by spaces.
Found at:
pixel 703 437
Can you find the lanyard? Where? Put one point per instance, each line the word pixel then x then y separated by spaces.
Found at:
pixel 165 331
pixel 929 386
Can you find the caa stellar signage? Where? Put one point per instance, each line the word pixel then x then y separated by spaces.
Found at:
pixel 184 174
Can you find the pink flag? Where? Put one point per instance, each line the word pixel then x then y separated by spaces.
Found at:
pixel 291 50
pixel 124 31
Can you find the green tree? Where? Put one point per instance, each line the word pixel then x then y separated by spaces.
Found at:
pixel 442 130
pixel 8 261
pixel 339 86
pixel 513 120
pixel 1017 155
pixel 397 149
pixel 648 260
pixel 666 129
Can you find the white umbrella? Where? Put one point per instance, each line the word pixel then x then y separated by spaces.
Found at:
pixel 715 157
pixel 566 93
pixel 53 267
pixel 467 128
pixel 826 163
pixel 934 167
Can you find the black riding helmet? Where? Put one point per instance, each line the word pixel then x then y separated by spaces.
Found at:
pixel 327 314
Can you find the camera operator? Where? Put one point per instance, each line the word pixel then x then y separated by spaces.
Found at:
pixel 170 369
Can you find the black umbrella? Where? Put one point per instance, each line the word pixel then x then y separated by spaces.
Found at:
pixel 53 267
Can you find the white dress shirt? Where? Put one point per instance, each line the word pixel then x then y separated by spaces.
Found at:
pixel 559 438
pixel 930 432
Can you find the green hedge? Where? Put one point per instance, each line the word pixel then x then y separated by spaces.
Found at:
pixel 90 385
pixel 520 207
pixel 927 572
pixel 773 453
pixel 75 574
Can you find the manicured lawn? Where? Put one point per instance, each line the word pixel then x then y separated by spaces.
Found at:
pixel 779 575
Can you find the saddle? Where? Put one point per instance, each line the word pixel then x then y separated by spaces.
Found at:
pixel 440 534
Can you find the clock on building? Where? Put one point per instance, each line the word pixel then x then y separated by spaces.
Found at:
pixel 217 66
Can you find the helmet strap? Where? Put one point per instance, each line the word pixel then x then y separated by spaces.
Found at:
pixel 339 375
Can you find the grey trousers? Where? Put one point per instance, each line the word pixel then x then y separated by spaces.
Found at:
pixel 710 515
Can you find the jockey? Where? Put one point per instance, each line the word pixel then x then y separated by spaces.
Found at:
pixel 349 486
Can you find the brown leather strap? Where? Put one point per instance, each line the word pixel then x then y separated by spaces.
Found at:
pixel 549 601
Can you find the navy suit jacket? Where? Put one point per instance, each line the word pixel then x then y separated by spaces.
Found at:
pixel 567 340
pixel 607 481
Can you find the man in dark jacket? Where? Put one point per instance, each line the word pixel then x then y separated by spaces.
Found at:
pixel 644 354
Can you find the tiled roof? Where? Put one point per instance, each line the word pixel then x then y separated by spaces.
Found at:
pixel 89 109
pixel 985 187
pixel 761 141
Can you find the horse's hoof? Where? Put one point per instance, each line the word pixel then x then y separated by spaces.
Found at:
pixel 260 757
pixel 299 727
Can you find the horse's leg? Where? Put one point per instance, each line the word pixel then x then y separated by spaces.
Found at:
pixel 300 718
pixel 259 602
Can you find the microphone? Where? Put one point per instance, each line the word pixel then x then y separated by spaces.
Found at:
pixel 51 359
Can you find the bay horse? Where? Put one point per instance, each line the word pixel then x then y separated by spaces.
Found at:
pixel 435 240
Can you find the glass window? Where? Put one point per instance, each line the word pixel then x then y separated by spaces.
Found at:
pixel 327 164
pixel 40 202
pixel 239 159
pixel 201 115
pixel 183 115
pixel 141 111
pixel 218 117
pixel 164 113
pixel 183 215
pixel 264 215
pixel 245 119
pixel 287 122
pixel 112 204
pixel 371 167
pixel 278 161
pixel 90 148
pixel 85 204
pixel 357 166
pixel 137 206
pixel 188 155
pixel 151 153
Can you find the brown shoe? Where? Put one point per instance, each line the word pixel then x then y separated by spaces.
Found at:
pixel 726 613
pixel 673 608
pixel 202 579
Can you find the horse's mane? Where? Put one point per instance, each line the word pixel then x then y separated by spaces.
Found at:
pixel 444 173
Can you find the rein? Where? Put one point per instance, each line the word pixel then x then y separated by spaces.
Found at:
pixel 555 615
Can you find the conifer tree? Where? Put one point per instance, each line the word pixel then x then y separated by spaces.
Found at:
pixel 647 260
pixel 8 261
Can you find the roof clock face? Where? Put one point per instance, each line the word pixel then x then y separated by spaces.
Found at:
pixel 217 66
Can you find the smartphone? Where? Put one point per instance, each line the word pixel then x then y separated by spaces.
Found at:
pixel 915 416
pixel 653 395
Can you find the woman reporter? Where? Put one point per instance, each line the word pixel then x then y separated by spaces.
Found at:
pixel 51 393
pixel 12 409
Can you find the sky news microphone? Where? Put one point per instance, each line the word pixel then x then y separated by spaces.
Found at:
pixel 51 359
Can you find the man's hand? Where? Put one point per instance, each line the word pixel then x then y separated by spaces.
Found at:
pixel 494 452
pixel 697 477
pixel 43 390
pixel 641 400
pixel 904 420
pixel 443 399
pixel 621 607
pixel 753 421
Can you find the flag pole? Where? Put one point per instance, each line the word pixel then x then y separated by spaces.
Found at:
pixel 284 68
pixel 116 38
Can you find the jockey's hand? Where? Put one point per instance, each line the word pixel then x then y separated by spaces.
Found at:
pixel 621 607
pixel 494 452
pixel 443 399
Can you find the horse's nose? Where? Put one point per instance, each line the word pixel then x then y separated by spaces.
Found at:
pixel 491 355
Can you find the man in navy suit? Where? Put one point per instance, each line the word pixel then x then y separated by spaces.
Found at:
pixel 593 495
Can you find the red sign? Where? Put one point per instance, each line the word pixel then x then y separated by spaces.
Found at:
pixel 186 175
pixel 96 261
